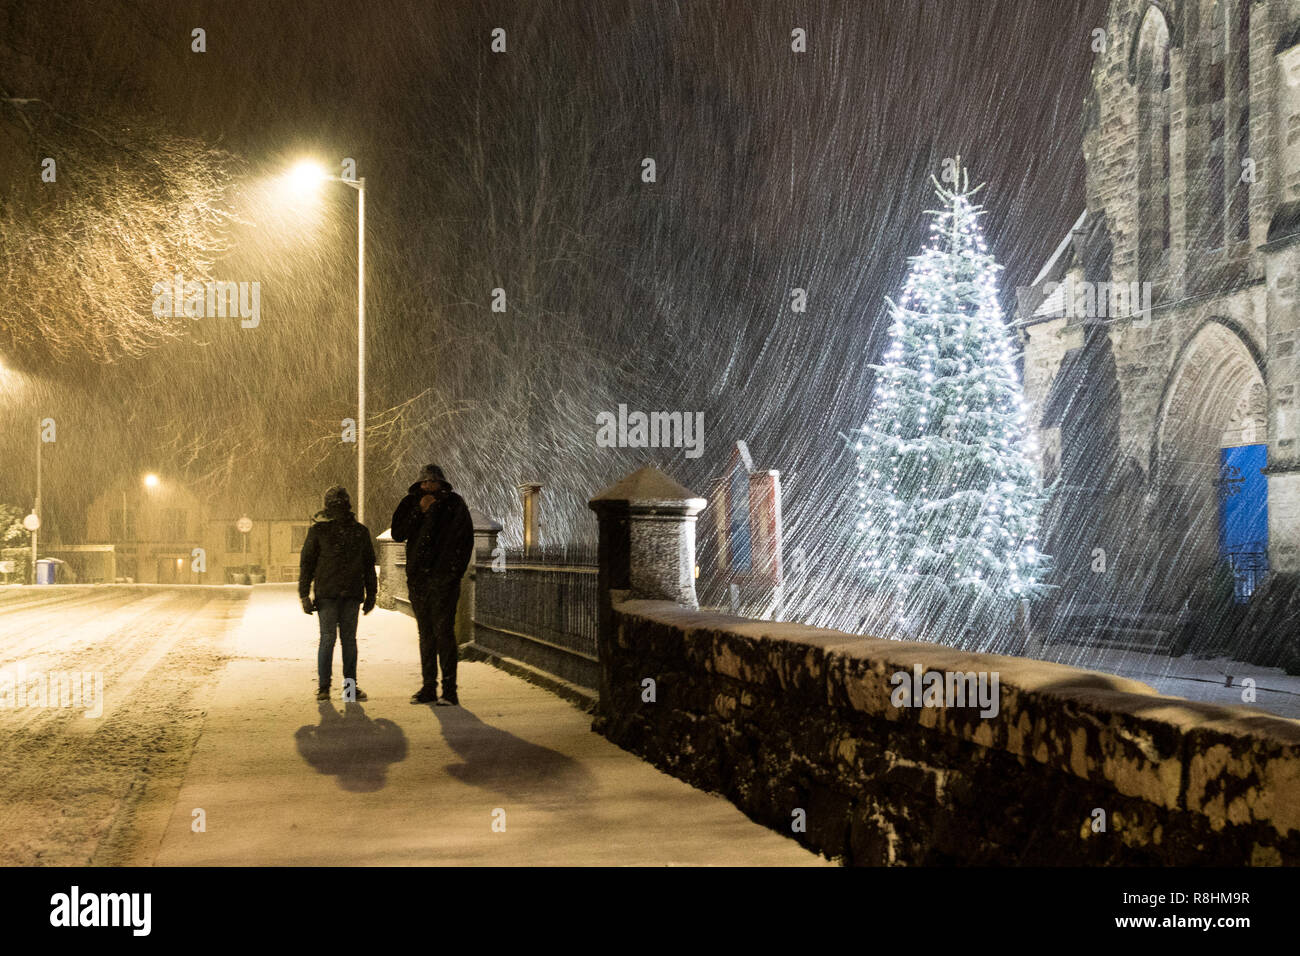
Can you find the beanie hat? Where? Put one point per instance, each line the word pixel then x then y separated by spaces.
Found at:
pixel 432 473
pixel 336 496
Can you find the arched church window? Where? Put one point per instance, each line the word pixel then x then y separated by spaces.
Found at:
pixel 1239 184
pixel 1216 56
pixel 1152 78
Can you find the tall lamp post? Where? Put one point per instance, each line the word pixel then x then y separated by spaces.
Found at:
pixel 151 482
pixel 305 176
pixel 35 524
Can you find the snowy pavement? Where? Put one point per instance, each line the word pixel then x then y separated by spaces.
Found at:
pixel 1215 681
pixel 513 777
pixel 209 705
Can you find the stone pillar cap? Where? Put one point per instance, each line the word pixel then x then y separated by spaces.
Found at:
pixel 649 487
pixel 482 522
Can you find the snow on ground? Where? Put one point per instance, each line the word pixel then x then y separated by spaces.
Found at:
pixel 77 789
pixel 283 779
pixel 1206 680
pixel 209 704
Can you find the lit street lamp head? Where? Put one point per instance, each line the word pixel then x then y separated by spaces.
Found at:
pixel 303 179
pixel 306 176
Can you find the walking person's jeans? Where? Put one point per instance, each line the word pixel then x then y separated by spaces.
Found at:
pixel 434 606
pixel 338 619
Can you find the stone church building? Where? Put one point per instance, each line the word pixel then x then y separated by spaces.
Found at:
pixel 1160 339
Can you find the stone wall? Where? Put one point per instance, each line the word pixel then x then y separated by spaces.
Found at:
pixel 786 720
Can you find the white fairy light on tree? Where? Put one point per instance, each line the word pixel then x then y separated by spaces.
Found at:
pixel 949 494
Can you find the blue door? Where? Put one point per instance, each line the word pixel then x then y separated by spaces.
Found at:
pixel 1243 515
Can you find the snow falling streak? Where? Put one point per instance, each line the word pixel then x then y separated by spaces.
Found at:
pixel 776 171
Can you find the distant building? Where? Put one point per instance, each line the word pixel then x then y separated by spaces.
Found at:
pixel 155 532
pixel 274 544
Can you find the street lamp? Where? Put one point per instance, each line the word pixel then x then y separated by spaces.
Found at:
pixel 305 177
pixel 150 480
pixel 33 522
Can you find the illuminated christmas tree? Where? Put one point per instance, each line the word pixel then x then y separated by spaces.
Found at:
pixel 949 494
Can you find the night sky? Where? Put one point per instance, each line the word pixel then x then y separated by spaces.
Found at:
pixel 518 170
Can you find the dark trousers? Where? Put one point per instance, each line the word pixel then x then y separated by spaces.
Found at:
pixel 434 606
pixel 338 618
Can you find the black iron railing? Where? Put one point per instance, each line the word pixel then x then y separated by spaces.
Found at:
pixel 542 614
pixel 1249 569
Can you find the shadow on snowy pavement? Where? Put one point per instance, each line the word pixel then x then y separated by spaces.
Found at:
pixel 497 760
pixel 352 747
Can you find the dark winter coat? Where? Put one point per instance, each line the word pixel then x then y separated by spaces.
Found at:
pixel 339 557
pixel 440 541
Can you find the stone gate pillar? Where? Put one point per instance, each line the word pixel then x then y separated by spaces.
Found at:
pixel 485 542
pixel 646 550
pixel 486 531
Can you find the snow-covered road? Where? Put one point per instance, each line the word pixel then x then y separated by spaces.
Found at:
pixel 209 713
pixel 78 789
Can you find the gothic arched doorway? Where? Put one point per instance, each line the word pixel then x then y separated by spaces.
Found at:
pixel 1210 495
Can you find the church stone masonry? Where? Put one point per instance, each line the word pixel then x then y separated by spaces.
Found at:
pixel 1192 153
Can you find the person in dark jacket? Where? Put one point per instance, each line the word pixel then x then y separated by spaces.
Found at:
pixel 436 525
pixel 339 557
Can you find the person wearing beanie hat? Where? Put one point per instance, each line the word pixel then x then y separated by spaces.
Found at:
pixel 338 557
pixel 436 525
pixel 431 473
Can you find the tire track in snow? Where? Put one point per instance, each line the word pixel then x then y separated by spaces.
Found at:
pixel 67 780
